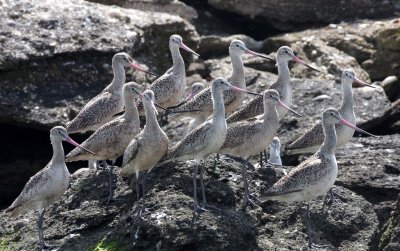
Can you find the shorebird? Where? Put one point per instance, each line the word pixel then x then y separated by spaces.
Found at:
pixel 46 186
pixel 310 141
pixel 200 118
pixel 110 141
pixel 246 139
pixel 255 106
pixel 101 109
pixel 169 89
pixel 275 152
pixel 316 175
pixel 202 105
pixel 204 140
pixel 147 148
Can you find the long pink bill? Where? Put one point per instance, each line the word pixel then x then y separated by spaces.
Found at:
pixel 298 60
pixel 138 67
pixel 346 123
pixel 183 46
pixel 362 83
pixel 288 108
pixel 237 89
pixel 72 142
pixel 258 54
pixel 189 97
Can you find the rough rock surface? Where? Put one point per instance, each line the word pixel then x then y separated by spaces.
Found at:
pixel 173 7
pixel 287 14
pixel 81 220
pixel 390 237
pixel 56 55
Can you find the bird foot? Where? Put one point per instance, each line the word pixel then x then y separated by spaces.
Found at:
pixel 249 202
pixel 315 245
pixel 196 213
pixel 333 195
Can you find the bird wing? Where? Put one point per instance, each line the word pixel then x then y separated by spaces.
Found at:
pixel 200 102
pixel 238 134
pixel 314 136
pixel 253 108
pixel 94 112
pixel 133 149
pixel 192 143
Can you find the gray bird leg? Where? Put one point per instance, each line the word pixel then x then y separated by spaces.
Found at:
pixel 110 182
pixel 40 229
pixel 203 193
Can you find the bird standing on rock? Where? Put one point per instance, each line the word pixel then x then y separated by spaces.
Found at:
pixel 206 139
pixel 110 141
pixel 314 176
pixel 146 149
pixel 48 185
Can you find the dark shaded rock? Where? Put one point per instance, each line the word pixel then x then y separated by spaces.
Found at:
pixel 388 122
pixel 56 56
pixel 287 15
pixel 390 236
pixel 391 85
pixel 173 7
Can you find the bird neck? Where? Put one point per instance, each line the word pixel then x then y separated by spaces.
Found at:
pixel 237 76
pixel 58 151
pixel 275 155
pixel 218 103
pixel 178 67
pixel 347 98
pixel 119 77
pixel 151 119
pixel 329 144
pixel 283 72
pixel 131 112
pixel 270 113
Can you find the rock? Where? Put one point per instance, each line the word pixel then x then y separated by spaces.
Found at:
pixel 81 220
pixel 347 45
pixel 288 15
pixel 390 236
pixel 56 56
pixel 173 7
pixel 391 85
pixel 388 122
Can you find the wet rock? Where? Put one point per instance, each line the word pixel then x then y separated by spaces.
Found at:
pixel 56 56
pixel 173 7
pixel 287 15
pixel 391 85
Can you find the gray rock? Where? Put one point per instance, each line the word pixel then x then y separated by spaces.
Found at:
pixel 55 55
pixel 287 15
pixel 387 123
pixel 173 7
pixel 390 236
pixel 391 85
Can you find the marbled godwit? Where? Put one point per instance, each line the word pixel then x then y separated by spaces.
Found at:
pixel 147 148
pixel 205 139
pixel 169 89
pixel 275 152
pixel 246 139
pixel 110 140
pixel 199 118
pixel 202 104
pixel 255 106
pixel 101 109
pixel 48 185
pixel 312 139
pixel 316 175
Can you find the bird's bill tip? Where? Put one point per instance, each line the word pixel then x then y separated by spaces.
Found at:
pixel 288 108
pixel 298 60
pixel 72 142
pixel 348 124
pixel 183 46
pixel 237 89
pixel 138 67
pixel 258 54
pixel 362 83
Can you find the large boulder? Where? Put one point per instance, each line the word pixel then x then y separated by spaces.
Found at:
pixel 55 55
pixel 287 15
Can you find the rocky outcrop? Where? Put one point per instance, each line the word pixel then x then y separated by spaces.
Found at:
pixel 388 122
pixel 390 237
pixel 287 15
pixel 55 55
pixel 173 7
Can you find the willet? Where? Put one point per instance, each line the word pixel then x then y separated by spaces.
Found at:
pixel 46 186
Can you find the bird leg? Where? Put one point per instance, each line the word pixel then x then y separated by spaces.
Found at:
pixel 216 158
pixel 311 244
pixel 261 159
pixel 110 182
pixel 196 208
pixel 203 193
pixel 142 209
pixel 40 229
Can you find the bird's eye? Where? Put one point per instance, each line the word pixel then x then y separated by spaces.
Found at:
pixel 237 45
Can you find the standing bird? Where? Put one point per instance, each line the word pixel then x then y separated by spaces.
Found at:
pixel 246 139
pixel 316 175
pixel 255 106
pixel 202 104
pixel 200 118
pixel 110 141
pixel 310 141
pixel 275 152
pixel 206 139
pixel 147 148
pixel 101 109
pixel 169 89
pixel 48 185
